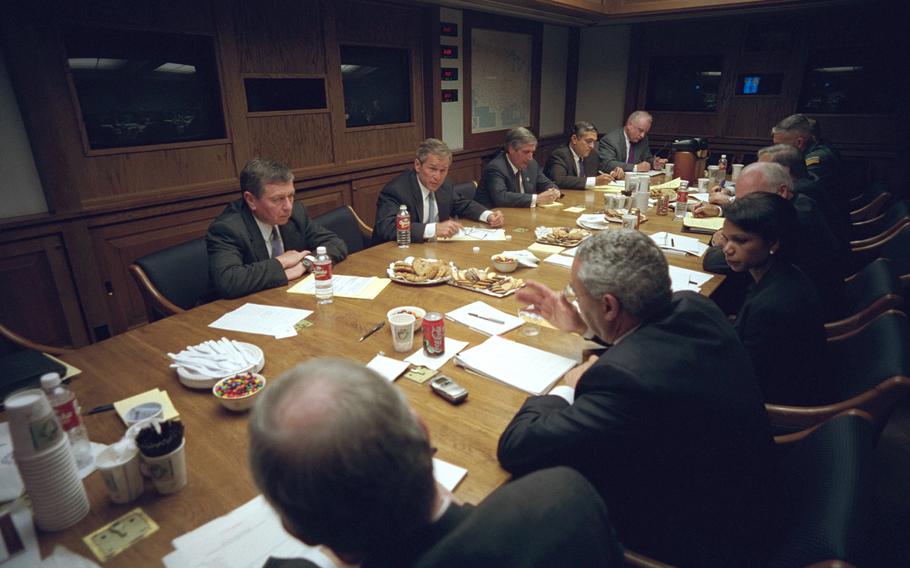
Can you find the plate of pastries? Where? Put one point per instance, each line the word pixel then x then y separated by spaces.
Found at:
pixel 615 215
pixel 659 191
pixel 420 271
pixel 485 281
pixel 561 236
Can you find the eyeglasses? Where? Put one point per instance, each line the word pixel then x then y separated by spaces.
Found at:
pixel 569 293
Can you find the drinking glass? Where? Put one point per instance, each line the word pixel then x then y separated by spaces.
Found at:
pixel 531 321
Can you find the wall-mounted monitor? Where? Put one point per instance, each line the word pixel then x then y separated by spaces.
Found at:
pixel 684 82
pixel 284 94
pixel 377 85
pixel 759 84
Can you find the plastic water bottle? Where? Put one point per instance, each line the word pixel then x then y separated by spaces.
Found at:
pixel 682 198
pixel 66 407
pixel 403 224
pixel 322 269
pixel 722 170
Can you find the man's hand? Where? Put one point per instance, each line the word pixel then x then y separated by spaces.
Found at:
pixel 548 196
pixel 603 179
pixel 642 167
pixel 447 229
pixel 706 210
pixel 718 196
pixel 291 258
pixel 659 163
pixel 572 376
pixel 496 219
pixel 295 271
pixel 618 173
pixel 718 239
pixel 552 306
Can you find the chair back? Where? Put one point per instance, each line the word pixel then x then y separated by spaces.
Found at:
pixel 179 274
pixel 825 483
pixel 465 189
pixel 343 221
pixel 873 230
pixel 867 357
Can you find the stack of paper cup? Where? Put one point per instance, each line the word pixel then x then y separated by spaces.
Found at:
pixel 45 460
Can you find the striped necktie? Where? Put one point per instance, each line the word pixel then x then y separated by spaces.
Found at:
pixel 432 213
pixel 277 247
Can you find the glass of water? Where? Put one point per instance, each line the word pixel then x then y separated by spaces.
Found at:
pixel 531 321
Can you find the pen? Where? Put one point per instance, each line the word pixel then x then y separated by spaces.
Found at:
pixel 372 330
pixel 672 243
pixel 486 318
pixel 102 408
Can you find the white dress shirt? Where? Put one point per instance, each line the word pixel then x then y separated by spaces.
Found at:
pixel 266 231
pixel 589 180
pixel 429 229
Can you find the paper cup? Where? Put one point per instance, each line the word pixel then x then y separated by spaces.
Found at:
pixel 168 472
pixel 644 183
pixel 629 221
pixel 668 169
pixel 33 426
pixel 737 169
pixel 120 471
pixel 402 328
pixel 640 201
pixel 703 184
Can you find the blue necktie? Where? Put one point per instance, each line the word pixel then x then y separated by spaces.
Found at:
pixel 277 247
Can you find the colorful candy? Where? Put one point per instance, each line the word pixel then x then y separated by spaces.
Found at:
pixel 238 387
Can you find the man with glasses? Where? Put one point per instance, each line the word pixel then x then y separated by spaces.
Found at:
pixel 628 147
pixel 668 423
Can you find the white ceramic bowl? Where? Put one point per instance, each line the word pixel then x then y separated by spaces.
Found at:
pixel 242 403
pixel 418 314
pixel 504 263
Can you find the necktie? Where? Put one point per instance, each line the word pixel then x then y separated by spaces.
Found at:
pixel 581 168
pixel 432 214
pixel 518 185
pixel 277 247
pixel 631 158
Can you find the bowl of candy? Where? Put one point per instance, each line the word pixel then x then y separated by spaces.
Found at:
pixel 238 393
pixel 418 314
pixel 504 263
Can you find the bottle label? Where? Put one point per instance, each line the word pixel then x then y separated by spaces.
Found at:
pixel 68 415
pixel 323 271
pixel 404 223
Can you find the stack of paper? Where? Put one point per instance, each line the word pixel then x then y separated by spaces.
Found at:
pixel 560 260
pixel 265 320
pixel 389 368
pixel 679 243
pixel 685 279
pixel 707 225
pixel 484 318
pixel 477 234
pixel 545 249
pixel 359 287
pixel 527 368
pixel 614 186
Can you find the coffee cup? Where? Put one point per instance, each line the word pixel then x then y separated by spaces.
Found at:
pixel 668 169
pixel 640 201
pixel 737 169
pixel 402 327
pixel 119 467
pixel 33 425
pixel 703 184
pixel 168 472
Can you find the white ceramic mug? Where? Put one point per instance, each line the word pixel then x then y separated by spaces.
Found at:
pixel 402 328
pixel 119 467
pixel 168 472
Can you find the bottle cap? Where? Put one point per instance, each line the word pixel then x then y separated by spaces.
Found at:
pixel 320 250
pixel 50 380
pixel 476 250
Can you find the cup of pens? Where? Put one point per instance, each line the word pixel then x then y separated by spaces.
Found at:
pixel 162 446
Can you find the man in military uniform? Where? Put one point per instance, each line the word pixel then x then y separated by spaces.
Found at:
pixel 823 162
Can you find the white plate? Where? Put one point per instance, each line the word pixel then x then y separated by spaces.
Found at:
pixel 400 280
pixel 194 380
pixel 592 224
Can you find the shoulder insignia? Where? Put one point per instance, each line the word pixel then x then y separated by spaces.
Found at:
pixel 813 161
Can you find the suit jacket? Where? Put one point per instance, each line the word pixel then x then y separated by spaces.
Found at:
pixel 817 253
pixel 405 190
pixel 562 169
pixel 824 164
pixel 782 328
pixel 550 518
pixel 838 221
pixel 239 261
pixel 497 186
pixel 612 151
pixel 670 427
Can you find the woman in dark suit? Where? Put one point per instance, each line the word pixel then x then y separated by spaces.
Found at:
pixel 780 322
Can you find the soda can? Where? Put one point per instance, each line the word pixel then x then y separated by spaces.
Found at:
pixel 434 334
pixel 663 204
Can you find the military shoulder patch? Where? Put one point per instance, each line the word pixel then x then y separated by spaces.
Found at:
pixel 813 161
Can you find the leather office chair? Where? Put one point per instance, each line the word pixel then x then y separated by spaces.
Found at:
pixel 891 220
pixel 897 253
pixel 466 189
pixel 867 204
pixel 823 477
pixel 345 223
pixel 870 371
pixel 173 279
pixel 870 292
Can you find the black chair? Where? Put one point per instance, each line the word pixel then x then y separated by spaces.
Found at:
pixel 892 247
pixel 876 191
pixel 889 222
pixel 345 223
pixel 870 292
pixel 174 279
pixel 870 371
pixel 466 189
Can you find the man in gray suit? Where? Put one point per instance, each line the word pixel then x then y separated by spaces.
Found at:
pixel 628 147
pixel 513 178
pixel 262 239
pixel 575 165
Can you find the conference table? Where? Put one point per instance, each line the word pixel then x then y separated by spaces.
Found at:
pixel 216 439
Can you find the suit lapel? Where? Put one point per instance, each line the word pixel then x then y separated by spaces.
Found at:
pixel 257 244
pixel 416 205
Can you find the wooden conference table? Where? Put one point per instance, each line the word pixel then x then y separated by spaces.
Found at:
pixel 219 480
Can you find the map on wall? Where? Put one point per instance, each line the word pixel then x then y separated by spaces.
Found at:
pixel 500 80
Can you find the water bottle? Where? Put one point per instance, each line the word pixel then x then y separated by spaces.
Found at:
pixel 403 223
pixel 322 269
pixel 722 170
pixel 682 198
pixel 66 407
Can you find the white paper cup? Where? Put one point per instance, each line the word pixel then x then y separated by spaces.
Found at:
pixel 644 183
pixel 168 472
pixel 737 169
pixel 33 426
pixel 402 328
pixel 668 169
pixel 632 181
pixel 640 200
pixel 629 221
pixel 120 472
pixel 703 184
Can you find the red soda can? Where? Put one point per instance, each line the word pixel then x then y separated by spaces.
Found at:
pixel 434 334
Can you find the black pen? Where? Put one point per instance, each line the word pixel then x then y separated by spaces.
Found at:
pixel 486 318
pixel 102 408
pixel 373 330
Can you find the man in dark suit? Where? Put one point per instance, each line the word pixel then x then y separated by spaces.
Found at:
pixel 576 165
pixel 513 178
pixel 261 240
pixel 347 464
pixel 429 197
pixel 668 424
pixel 628 147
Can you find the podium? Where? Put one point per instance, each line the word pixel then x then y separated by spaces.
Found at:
pixel 689 159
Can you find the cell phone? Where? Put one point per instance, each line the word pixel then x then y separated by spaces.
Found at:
pixel 449 389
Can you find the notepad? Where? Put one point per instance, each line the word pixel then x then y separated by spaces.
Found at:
pixel 389 368
pixel 484 318
pixel 559 260
pixel 545 249
pixel 706 225
pixel 685 279
pixel 679 243
pixel 154 395
pixel 527 368
pixel 358 287
pixel 476 234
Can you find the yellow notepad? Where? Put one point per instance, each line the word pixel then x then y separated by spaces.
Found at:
pixel 154 395
pixel 358 287
pixel 546 249
pixel 703 225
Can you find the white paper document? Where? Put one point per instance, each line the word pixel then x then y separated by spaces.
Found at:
pixel 276 321
pixel 527 368
pixel 359 287
pixel 560 260
pixel 679 243
pixel 453 346
pixel 477 234
pixel 448 475
pixel 699 196
pixel 685 279
pixel 484 318
pixel 389 368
